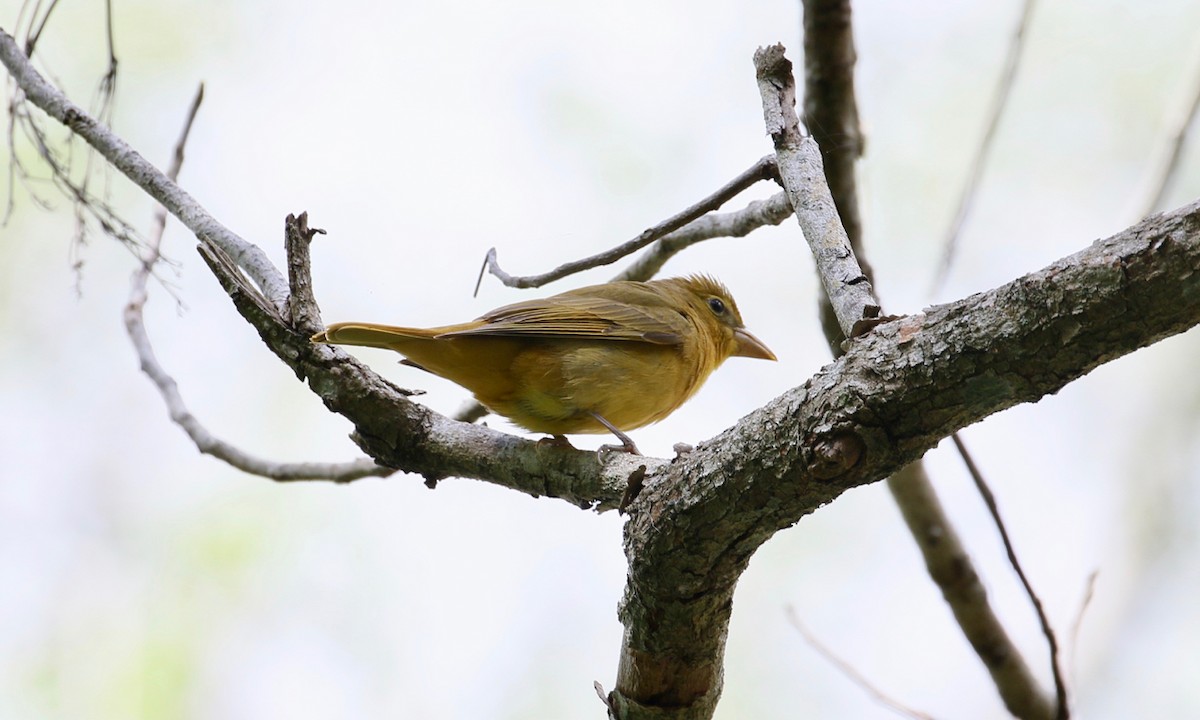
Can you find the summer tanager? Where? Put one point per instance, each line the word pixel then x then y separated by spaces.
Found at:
pixel 605 358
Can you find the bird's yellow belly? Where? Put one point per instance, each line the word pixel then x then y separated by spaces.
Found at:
pixel 562 384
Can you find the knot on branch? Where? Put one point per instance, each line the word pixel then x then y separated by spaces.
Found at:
pixel 835 454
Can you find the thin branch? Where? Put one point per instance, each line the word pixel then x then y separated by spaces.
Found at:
pixel 951 568
pixel 1060 686
pixel 169 389
pixel 739 223
pixel 1168 166
pixel 1089 591
pixel 698 520
pixel 851 673
pixel 249 257
pixel 803 177
pixel 36 24
pixel 1012 61
pixel 831 112
pixel 84 202
pixel 831 108
pixel 762 170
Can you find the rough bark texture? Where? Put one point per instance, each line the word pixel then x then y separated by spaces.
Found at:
pixel 831 115
pixel 401 434
pixel 847 288
pixel 894 395
pixel 697 520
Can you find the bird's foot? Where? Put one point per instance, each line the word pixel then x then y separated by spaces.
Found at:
pixel 626 447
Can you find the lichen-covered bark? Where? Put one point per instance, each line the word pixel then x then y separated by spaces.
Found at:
pixel 896 393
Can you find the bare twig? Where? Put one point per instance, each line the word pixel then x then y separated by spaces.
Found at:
pixel 169 389
pixel 1168 165
pixel 831 108
pixel 954 573
pixel 762 170
pixel 989 499
pixel 303 312
pixel 36 24
pixel 1012 60
pixel 803 177
pixel 249 257
pixel 831 115
pixel 849 670
pixel 738 223
pixel 85 203
pixel 1089 591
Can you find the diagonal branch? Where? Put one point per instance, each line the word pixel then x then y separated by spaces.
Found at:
pixel 951 568
pixel 894 395
pixel 803 178
pixel 831 112
pixel 395 432
pixel 116 151
pixel 763 169
pixel 1061 709
pixel 1008 76
pixel 205 441
pixel 1168 164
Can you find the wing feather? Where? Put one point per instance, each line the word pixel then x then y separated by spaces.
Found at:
pixel 637 313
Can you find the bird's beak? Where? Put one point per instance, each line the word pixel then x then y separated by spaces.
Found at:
pixel 750 346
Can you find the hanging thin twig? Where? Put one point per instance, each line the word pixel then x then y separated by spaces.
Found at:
pixel 1169 165
pixel 1012 61
pixel 850 671
pixel 1060 686
pixel 764 169
pixel 169 389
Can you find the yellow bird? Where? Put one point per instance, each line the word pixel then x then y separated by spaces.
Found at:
pixel 605 358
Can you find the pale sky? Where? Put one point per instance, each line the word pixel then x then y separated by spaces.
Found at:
pixel 141 579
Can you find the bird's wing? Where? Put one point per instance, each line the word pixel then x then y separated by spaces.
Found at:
pixel 583 316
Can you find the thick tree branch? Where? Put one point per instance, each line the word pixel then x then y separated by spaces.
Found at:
pixel 803 178
pixel 897 392
pixel 831 113
pixel 401 434
pixel 396 432
pixel 699 518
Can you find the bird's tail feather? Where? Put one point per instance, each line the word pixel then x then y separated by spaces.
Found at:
pixel 369 335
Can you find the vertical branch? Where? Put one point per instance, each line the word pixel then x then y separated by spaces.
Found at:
pixel 803 178
pixel 1172 152
pixel 1012 61
pixel 953 571
pixel 831 114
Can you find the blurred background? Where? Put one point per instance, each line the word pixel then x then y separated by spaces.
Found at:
pixel 139 579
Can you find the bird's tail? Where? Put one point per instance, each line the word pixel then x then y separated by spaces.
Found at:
pixel 370 335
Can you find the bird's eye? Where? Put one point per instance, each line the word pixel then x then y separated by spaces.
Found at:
pixel 716 305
